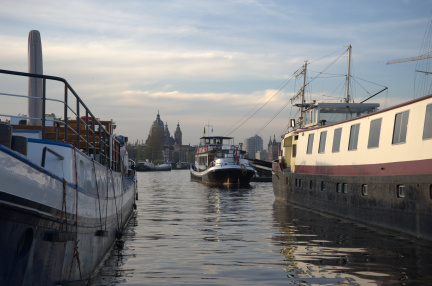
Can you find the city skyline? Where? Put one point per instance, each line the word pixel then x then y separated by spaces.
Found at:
pixel 229 64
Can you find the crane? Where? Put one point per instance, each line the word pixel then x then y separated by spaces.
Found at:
pixel 418 58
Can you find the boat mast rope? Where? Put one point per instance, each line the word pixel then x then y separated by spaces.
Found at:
pixel 97 190
pixel 115 203
pixel 75 250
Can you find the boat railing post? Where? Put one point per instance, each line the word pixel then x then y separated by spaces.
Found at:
pixel 66 112
pixel 43 107
pixel 87 133
pixel 78 120
pixel 94 138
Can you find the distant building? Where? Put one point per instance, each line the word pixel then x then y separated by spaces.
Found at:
pixel 253 145
pixel 273 149
pixel 162 146
pixel 261 155
pixel 178 135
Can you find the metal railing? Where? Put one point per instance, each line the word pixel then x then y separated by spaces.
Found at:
pixel 108 152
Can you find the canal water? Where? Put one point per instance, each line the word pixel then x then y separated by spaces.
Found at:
pixel 186 233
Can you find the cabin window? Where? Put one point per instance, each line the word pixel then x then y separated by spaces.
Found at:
pixel 336 140
pixel 364 190
pixel 427 130
pixel 311 185
pixel 354 136
pixel 93 178
pixel 294 150
pixel 400 127
pixel 310 143
pixel 430 191
pixel 338 187
pixel 322 143
pixel 400 191
pixel 344 188
pixel 374 133
pixel 322 186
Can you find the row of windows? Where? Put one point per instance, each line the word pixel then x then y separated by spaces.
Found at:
pixel 399 133
pixel 343 187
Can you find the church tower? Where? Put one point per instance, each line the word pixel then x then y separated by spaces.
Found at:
pixel 178 135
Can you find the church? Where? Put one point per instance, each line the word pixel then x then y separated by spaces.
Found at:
pixel 160 145
pixel 164 136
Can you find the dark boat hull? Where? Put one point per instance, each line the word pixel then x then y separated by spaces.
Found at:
pixel 223 176
pixel 376 201
pixel 39 250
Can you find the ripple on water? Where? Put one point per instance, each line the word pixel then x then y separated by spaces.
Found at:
pixel 186 233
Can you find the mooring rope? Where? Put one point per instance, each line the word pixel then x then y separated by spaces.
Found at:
pixel 63 211
pixel 75 251
pixel 97 190
pixel 115 200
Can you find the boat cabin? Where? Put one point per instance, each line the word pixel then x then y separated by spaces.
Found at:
pixel 317 114
pixel 214 149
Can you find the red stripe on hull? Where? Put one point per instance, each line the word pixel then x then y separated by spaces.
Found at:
pixel 387 169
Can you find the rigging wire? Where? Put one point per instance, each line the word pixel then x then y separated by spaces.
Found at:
pixel 226 132
pixel 421 80
pixel 269 121
pixel 283 86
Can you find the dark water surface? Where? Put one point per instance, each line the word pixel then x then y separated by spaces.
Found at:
pixel 186 233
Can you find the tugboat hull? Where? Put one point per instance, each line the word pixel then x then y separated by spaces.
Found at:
pixel 224 176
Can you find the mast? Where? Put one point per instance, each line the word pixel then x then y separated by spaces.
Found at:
pixel 347 97
pixel 302 94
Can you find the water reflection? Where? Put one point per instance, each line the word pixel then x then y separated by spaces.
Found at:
pixel 113 270
pixel 326 250
pixel 187 233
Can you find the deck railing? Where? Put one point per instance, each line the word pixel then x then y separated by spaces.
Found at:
pixel 85 131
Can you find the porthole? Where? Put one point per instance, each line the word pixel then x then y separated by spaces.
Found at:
pixel 322 186
pixel 401 191
pixel 25 243
pixel 345 188
pixel 364 190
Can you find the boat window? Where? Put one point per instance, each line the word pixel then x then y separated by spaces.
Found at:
pixel 93 180
pixel 338 187
pixel 430 191
pixel 345 188
pixel 374 133
pixel 310 143
pixel 81 177
pixel 400 127
pixel 336 140
pixel 364 190
pixel 323 186
pixel 311 185
pixel 354 136
pixel 400 191
pixel 427 130
pixel 294 150
pixel 322 143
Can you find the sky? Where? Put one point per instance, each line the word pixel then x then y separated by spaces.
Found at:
pixel 226 64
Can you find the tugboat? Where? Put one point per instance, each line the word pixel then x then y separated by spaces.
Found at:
pixel 219 162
